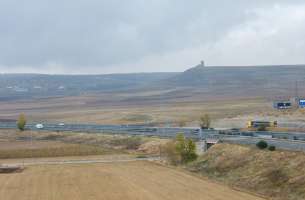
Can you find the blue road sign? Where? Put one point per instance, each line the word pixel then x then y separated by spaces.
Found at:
pixel 302 103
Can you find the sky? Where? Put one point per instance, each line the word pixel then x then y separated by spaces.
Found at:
pixel 120 36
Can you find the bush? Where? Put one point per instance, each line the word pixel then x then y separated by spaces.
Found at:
pixel 133 143
pixel 130 143
pixel 262 144
pixel 169 150
pixel 271 148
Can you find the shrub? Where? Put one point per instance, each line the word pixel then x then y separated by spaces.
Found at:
pixel 133 142
pixel 130 143
pixel 262 144
pixel 21 122
pixel 271 148
pixel 181 123
pixel 169 150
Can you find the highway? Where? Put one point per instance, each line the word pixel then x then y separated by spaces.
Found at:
pixel 283 140
pixel 113 129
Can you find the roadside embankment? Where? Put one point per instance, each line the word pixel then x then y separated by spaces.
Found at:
pixel 278 174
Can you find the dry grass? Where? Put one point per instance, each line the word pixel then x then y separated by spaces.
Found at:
pixel 59 151
pixel 89 109
pixel 116 181
pixel 278 174
pixel 15 144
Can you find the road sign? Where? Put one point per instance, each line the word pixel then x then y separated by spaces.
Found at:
pixel 302 103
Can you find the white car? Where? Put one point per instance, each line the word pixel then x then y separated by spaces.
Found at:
pixel 61 124
pixel 39 126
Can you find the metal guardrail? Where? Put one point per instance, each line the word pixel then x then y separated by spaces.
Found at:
pixel 112 129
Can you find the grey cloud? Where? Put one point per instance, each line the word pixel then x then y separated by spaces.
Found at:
pixel 98 36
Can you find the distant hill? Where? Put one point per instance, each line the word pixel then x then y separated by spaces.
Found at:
pixel 250 80
pixel 15 86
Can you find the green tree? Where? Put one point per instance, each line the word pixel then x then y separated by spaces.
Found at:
pixel 205 121
pixel 21 122
pixel 186 148
pixel 190 152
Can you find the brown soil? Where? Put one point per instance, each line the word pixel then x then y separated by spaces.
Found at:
pixel 115 181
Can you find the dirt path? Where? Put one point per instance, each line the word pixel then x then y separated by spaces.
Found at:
pixel 84 160
pixel 111 181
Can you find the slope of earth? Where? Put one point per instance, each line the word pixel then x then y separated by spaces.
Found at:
pixel 278 174
pixel 112 181
pixel 243 81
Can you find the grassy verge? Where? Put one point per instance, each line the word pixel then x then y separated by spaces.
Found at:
pixel 277 174
pixel 29 144
pixel 65 150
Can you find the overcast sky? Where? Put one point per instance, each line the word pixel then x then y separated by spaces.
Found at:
pixel 110 36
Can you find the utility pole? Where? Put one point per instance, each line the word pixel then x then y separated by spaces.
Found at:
pixel 296 91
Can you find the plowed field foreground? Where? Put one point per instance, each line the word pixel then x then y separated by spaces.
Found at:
pixel 112 181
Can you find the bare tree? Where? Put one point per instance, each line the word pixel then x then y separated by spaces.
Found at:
pixel 205 121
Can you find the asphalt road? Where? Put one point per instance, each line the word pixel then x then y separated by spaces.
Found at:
pixel 114 129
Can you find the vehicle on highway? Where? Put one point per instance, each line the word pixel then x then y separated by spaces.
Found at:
pixel 39 126
pixel 256 124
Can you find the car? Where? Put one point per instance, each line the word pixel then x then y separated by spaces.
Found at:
pixel 39 126
pixel 61 124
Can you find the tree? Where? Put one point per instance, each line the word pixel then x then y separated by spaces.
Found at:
pixel 21 122
pixel 205 121
pixel 190 152
pixel 180 150
pixel 262 144
pixel 186 148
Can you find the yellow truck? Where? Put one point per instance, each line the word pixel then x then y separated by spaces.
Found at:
pixel 256 124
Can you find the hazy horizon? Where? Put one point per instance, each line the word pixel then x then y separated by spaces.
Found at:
pixel 152 72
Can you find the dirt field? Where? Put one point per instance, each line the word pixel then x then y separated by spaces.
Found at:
pixel 115 181
pixel 15 145
pixel 120 110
